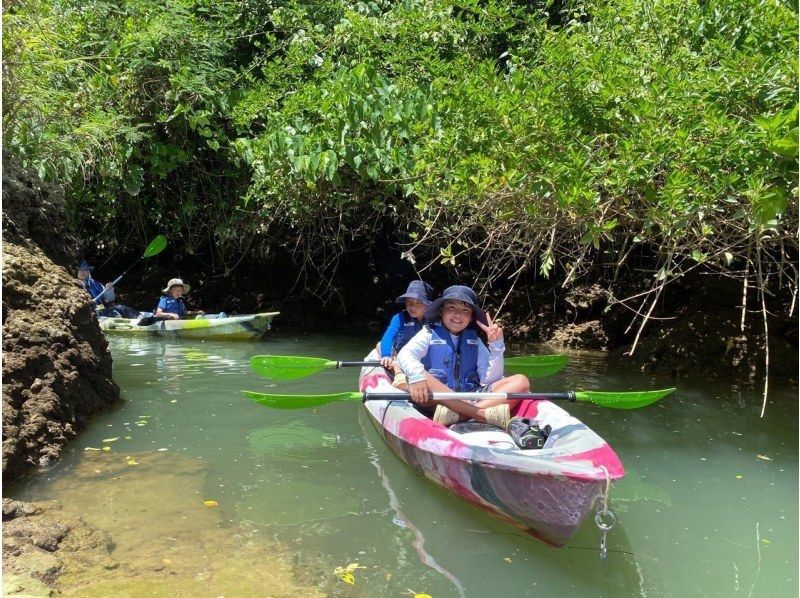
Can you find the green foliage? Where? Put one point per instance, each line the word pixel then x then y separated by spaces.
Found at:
pixel 543 135
pixel 127 101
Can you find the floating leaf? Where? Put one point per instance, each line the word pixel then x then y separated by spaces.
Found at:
pixel 506 559
pixel 210 503
pixel 130 460
pixel 111 439
pixel 106 448
pixel 346 573
pixel 91 448
pixel 763 458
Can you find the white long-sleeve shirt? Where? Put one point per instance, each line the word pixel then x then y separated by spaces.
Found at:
pixel 490 361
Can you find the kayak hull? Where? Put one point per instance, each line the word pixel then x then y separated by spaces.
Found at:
pixel 547 493
pixel 242 327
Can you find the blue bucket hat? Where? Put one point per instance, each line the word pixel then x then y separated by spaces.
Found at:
pixel 84 265
pixel 460 293
pixel 419 290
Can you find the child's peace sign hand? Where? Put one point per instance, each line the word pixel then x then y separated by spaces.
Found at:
pixel 492 330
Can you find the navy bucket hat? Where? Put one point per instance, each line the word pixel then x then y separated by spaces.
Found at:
pixel 460 293
pixel 84 265
pixel 419 290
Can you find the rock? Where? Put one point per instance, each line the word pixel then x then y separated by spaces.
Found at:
pixel 25 586
pixel 15 508
pixel 39 540
pixel 48 392
pixel 585 335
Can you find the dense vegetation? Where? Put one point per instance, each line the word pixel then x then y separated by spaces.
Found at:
pixel 496 136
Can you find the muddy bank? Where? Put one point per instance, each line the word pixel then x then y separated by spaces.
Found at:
pixel 140 524
pixel 56 363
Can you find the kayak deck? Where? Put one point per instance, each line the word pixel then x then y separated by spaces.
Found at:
pixel 241 327
pixel 545 492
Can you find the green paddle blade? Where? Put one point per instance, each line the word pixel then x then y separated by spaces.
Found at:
pixel 622 400
pixel 156 246
pixel 536 366
pixel 299 401
pixel 288 367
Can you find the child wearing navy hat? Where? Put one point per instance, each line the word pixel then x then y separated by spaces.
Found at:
pixel 449 356
pixel 405 324
pixel 102 293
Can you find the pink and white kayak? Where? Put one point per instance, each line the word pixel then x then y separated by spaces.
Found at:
pixel 545 492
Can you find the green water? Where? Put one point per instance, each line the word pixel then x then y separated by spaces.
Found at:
pixel 300 493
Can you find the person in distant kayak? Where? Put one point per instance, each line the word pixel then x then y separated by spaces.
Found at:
pixel 97 289
pixel 405 324
pixel 171 305
pixel 106 294
pixel 447 355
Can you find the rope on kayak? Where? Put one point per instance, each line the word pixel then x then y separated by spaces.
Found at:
pixel 602 513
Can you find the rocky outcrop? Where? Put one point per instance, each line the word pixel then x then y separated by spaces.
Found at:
pixel 56 363
pixel 36 536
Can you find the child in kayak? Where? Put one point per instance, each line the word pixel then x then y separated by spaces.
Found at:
pixel 103 294
pixel 447 355
pixel 405 324
pixel 171 306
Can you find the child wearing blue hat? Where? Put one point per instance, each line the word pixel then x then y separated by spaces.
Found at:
pixel 405 324
pixel 449 356
pixel 94 288
pixel 103 294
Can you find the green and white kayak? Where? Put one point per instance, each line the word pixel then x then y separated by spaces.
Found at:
pixel 242 327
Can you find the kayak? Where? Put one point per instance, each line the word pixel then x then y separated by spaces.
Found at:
pixel 545 492
pixel 242 327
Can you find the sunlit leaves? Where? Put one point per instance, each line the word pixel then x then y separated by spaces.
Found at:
pixel 675 121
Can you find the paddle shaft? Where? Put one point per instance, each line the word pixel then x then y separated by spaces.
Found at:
pixel 155 247
pixel 474 396
pixel 117 279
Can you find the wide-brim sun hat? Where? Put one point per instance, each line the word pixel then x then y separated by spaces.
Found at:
pixel 459 293
pixel 419 290
pixel 176 282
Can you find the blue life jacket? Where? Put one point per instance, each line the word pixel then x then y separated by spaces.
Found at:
pixel 92 287
pixel 169 304
pixel 95 288
pixel 455 365
pixel 409 327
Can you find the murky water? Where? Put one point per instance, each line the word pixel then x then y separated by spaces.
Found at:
pixel 709 506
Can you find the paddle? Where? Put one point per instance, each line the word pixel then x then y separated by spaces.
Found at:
pixel 290 367
pixel 156 246
pixel 614 400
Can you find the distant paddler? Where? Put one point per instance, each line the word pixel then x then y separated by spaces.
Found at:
pixel 103 294
pixel 171 305
pixel 97 289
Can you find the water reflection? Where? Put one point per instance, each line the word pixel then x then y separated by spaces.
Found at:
pixel 708 507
